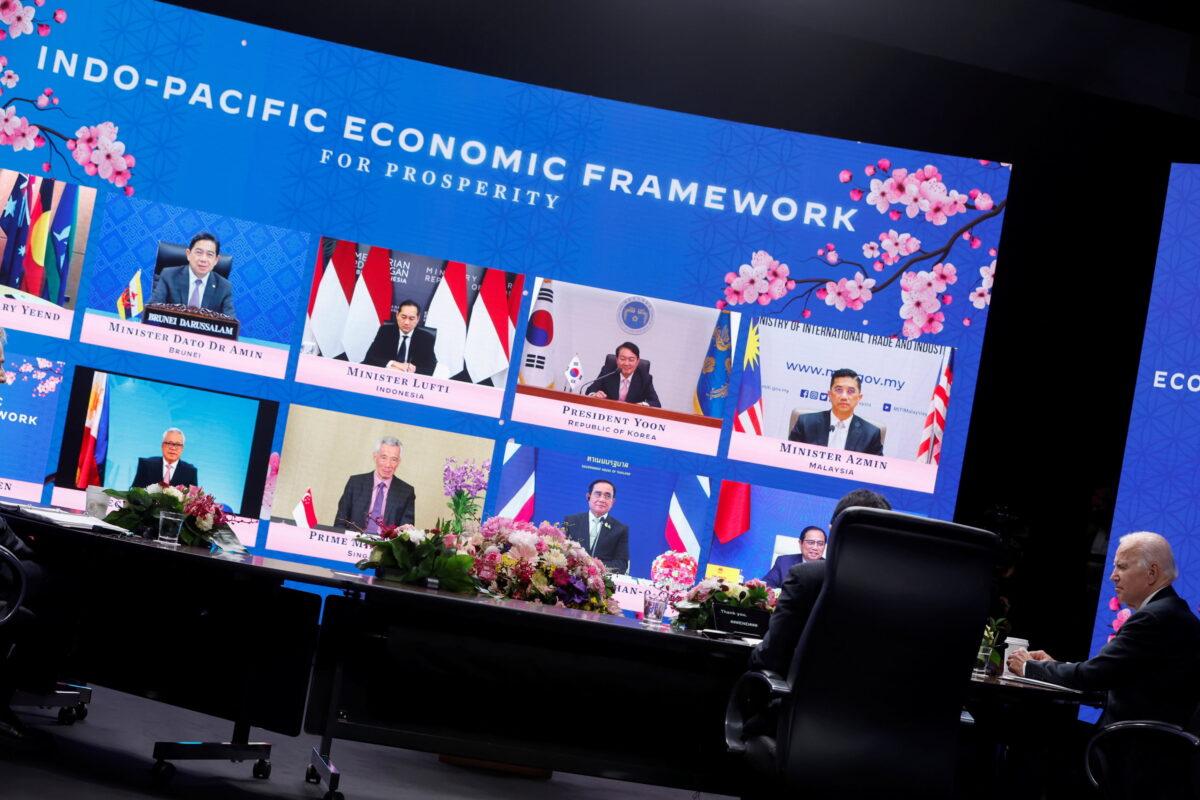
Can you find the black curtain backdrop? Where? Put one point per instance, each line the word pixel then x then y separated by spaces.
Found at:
pixel 1080 238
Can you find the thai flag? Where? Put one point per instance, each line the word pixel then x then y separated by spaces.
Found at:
pixel 517 482
pixel 749 416
pixel 689 502
pixel 930 448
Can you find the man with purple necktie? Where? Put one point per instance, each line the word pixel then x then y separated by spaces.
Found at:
pixel 378 497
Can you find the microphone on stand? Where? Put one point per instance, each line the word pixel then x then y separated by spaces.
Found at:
pixel 598 379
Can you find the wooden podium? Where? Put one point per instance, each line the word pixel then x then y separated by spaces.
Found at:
pixel 190 319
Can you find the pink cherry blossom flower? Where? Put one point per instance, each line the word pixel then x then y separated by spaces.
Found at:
pixel 878 196
pixel 976 242
pixel 988 274
pixel 9 78
pixel 25 138
pixel 877 266
pixel 8 13
pixel 42 101
pixel 992 252
pixel 934 323
pixel 956 203
pixel 832 257
pixel 1122 615
pixel 945 275
pixel 966 322
pixel 22 21
pixel 984 202
pixel 3 59
pixel 120 177
pixel 896 187
pixel 108 157
pixel 869 169
pixel 43 29
pixel 981 297
pixel 911 329
pixel 838 294
pixel 1114 604
pixel 947 299
pixel 60 16
pixel 884 164
pixel 10 123
pixel 894 215
pixel 870 250
pixel 844 176
pixel 935 210
pixel 806 313
pixel 856 194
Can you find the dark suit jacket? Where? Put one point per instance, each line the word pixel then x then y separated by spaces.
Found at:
pixel 779 570
pixel 173 285
pixel 150 470
pixel 863 437
pixel 399 508
pixel 612 545
pixel 641 388
pixel 797 597
pixel 1151 668
pixel 387 343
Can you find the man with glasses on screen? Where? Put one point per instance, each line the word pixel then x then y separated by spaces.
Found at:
pixel 374 499
pixel 839 428
pixel 168 469
pixel 604 536
pixel 812 548
pixel 196 285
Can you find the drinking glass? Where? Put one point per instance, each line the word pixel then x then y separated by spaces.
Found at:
pixel 169 524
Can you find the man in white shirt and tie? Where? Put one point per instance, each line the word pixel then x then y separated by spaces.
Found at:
pixel 604 536
pixel 196 285
pixel 839 428
pixel 169 469
pixel 403 346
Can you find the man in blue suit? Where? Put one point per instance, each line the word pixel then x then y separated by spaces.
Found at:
pixel 196 284
pixel 812 548
pixel 839 428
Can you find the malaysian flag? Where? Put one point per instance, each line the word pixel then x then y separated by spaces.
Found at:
pixel 749 416
pixel 930 449
pixel 689 503
pixel 517 480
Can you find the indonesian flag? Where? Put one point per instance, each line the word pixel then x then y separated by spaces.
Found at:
pixel 93 449
pixel 371 305
pixel 34 262
pixel 733 511
pixel 329 301
pixel 448 313
pixel 930 448
pixel 130 304
pixel 514 310
pixel 487 333
pixel 304 514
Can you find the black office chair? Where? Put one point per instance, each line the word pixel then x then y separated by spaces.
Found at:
pixel 871 705
pixel 69 699
pixel 1145 759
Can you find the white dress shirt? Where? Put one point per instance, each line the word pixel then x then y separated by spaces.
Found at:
pixel 841 429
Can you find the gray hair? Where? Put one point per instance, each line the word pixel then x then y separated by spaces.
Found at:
pixel 1152 548
pixel 182 435
pixel 388 441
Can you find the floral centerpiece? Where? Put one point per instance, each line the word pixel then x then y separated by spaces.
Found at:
pixel 675 572
pixel 695 611
pixel 539 563
pixel 464 483
pixel 204 520
pixel 411 555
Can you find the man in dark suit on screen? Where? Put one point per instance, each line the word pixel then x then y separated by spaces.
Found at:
pixel 402 345
pixel 1150 668
pixel 812 548
pixel 627 383
pixel 169 468
pixel 604 536
pixel 379 496
pixel 839 428
pixel 196 285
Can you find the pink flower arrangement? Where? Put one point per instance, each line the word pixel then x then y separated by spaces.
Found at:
pixel 674 571
pixel 539 563
pixel 761 281
pixel 695 610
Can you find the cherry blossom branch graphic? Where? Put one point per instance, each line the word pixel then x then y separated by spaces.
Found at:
pixel 897 193
pixel 96 148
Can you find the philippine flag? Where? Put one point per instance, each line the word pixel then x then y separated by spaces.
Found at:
pixel 93 449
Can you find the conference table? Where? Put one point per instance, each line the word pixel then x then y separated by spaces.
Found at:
pixel 475 677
